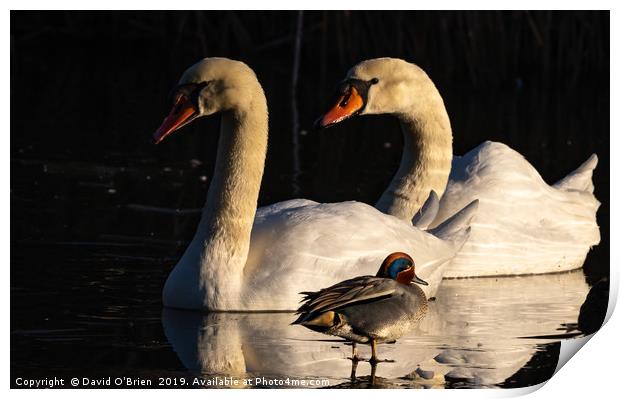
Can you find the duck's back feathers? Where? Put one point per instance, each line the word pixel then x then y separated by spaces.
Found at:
pixel 350 292
pixel 362 308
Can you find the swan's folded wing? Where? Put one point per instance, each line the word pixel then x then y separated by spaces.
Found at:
pixel 346 293
pixel 425 216
pixel 318 245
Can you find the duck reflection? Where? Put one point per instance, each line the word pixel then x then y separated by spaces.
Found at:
pixel 479 330
pixel 266 344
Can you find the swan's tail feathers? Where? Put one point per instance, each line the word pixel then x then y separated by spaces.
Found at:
pixel 581 178
pixel 425 216
pixel 457 227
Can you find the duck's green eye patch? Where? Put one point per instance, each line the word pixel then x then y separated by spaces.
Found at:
pixel 398 266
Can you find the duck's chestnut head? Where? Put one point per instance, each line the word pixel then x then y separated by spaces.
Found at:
pixel 400 267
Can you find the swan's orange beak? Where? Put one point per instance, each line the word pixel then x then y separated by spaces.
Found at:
pixel 348 105
pixel 182 113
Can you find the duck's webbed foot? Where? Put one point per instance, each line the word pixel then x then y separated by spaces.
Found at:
pixel 374 360
pixel 354 357
pixel 377 361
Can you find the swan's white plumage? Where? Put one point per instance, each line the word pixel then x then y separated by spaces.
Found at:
pixel 301 245
pixel 523 225
pixel 315 245
pixel 244 259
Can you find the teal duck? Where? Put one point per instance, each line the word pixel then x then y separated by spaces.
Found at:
pixel 368 309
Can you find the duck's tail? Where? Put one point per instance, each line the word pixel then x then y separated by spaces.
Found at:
pixel 457 227
pixel 318 321
pixel 581 178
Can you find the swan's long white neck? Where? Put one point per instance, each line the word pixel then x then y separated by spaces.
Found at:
pixel 221 244
pixel 426 160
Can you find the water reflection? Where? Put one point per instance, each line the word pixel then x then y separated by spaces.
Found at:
pixel 481 331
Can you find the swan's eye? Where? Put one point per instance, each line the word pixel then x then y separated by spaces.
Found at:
pixel 196 90
pixel 188 90
pixel 374 81
pixel 177 103
pixel 199 87
pixel 345 99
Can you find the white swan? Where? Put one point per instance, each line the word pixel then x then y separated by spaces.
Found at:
pixel 244 259
pixel 523 225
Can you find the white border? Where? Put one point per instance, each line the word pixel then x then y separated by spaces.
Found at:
pixel 591 373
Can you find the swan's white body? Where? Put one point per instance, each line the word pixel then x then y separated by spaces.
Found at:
pixel 301 245
pixel 244 259
pixel 523 225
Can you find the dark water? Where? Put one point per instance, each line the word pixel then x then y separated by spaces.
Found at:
pixel 99 217
pixel 93 310
pixel 88 269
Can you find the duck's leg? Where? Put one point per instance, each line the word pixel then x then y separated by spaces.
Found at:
pixel 353 369
pixel 354 356
pixel 373 348
pixel 373 359
pixel 373 373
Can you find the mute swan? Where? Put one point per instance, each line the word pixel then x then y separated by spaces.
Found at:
pixel 368 309
pixel 244 259
pixel 523 225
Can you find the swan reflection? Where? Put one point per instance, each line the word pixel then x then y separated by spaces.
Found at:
pixel 481 330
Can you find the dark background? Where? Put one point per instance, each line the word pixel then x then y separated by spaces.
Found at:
pixel 89 88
